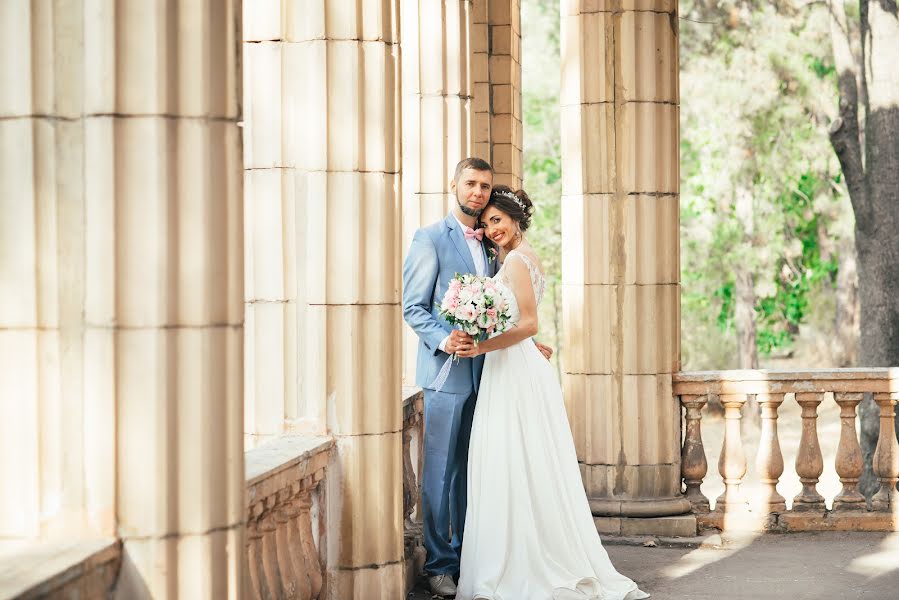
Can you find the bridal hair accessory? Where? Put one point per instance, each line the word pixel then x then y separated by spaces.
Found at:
pixel 476 306
pixel 514 199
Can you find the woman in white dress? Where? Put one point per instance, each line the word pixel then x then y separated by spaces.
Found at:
pixel 529 533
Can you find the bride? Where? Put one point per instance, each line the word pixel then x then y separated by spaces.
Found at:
pixel 529 533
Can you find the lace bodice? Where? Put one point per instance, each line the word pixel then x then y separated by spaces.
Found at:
pixel 538 281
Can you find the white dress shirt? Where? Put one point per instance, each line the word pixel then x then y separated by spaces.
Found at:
pixel 480 263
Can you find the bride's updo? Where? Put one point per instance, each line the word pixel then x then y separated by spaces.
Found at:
pixel 516 204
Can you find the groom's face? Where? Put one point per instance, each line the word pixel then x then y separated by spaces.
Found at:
pixel 472 189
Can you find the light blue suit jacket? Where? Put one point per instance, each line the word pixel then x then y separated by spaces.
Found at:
pixel 438 252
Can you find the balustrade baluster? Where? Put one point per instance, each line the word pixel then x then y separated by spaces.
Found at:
pixel 271 578
pixel 809 461
pixel 849 454
pixel 694 465
pixel 409 483
pixel 254 553
pixel 295 542
pixel 886 456
pixel 769 460
pixel 290 575
pixel 310 553
pixel 732 463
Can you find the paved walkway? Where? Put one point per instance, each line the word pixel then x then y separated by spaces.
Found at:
pixel 799 566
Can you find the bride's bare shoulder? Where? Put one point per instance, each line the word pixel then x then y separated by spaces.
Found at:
pixel 530 257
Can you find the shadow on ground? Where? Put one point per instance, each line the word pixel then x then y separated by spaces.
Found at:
pixel 798 566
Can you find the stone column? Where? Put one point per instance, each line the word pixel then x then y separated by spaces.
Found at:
pixel 620 251
pixel 496 74
pixel 57 402
pixel 123 226
pixel 273 82
pixel 437 100
pixel 165 262
pixel 505 91
pixel 344 62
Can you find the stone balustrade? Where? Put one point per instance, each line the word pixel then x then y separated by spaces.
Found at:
pixel 284 531
pixel 285 526
pixel 767 510
pixel 413 458
pixel 285 522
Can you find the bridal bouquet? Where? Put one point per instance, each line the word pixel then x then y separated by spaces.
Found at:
pixel 476 306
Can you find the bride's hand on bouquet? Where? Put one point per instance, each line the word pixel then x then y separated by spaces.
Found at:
pixel 458 342
pixel 473 349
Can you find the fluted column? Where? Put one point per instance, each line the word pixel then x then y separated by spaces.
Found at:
pixel 496 74
pixel 57 400
pixel 125 141
pixel 346 63
pixel 276 73
pixel 174 257
pixel 621 296
pixel 437 100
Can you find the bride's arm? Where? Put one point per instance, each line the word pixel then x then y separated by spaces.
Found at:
pixel 519 280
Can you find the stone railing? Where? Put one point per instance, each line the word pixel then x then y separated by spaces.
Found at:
pixel 283 527
pixel 413 456
pixel 34 570
pixel 807 388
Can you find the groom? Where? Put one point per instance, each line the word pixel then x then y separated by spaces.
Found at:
pixel 438 252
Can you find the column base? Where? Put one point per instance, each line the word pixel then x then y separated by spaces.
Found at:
pixel 676 526
pixel 382 582
pixel 650 507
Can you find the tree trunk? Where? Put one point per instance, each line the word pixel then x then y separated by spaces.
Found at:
pixel 744 305
pixel 846 317
pixel 744 318
pixel 873 184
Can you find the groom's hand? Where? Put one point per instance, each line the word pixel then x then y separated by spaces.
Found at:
pixel 545 350
pixel 459 341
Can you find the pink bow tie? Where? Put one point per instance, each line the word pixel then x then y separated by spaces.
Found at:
pixel 473 234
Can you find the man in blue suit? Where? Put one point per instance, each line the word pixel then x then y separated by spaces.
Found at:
pixel 438 252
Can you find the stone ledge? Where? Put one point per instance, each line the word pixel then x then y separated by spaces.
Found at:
pixel 761 381
pixel 795 522
pixel 283 453
pixel 85 569
pixel 675 526
pixel 706 540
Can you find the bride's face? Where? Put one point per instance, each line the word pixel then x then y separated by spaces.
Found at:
pixel 501 228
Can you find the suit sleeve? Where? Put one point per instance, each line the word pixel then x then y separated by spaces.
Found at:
pixel 420 273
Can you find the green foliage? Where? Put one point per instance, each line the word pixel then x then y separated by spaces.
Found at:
pixel 542 152
pixel 756 88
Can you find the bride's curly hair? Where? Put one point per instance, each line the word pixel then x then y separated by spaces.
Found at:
pixel 516 204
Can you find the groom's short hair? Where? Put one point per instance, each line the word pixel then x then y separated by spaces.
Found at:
pixel 478 164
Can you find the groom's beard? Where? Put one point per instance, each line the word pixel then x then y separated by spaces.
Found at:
pixel 468 211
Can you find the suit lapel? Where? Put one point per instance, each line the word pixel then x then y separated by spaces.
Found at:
pixel 459 242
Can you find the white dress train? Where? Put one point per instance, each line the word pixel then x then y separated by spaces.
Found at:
pixel 529 533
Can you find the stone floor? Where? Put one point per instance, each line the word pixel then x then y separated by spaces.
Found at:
pixel 800 566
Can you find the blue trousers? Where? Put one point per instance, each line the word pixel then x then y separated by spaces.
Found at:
pixel 445 476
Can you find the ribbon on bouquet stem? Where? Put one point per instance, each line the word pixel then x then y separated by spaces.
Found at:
pixel 443 375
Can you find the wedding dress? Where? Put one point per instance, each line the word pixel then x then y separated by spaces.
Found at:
pixel 529 533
